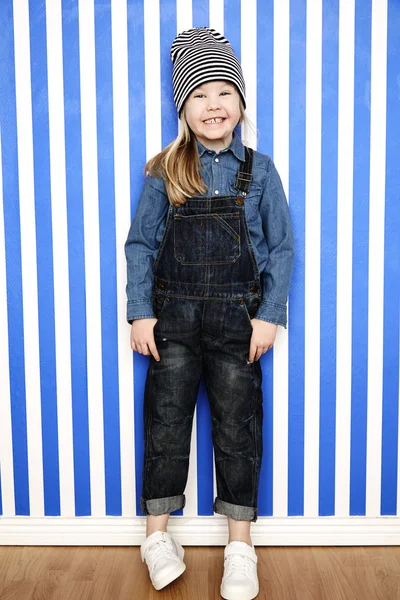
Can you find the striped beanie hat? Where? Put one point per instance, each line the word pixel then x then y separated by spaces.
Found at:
pixel 199 55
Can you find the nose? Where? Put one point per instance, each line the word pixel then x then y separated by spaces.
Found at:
pixel 214 103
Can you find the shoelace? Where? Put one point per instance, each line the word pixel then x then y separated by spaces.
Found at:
pixel 161 549
pixel 237 561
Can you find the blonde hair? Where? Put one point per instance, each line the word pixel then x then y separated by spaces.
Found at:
pixel 179 164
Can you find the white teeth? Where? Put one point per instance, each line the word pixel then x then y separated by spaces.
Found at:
pixel 218 120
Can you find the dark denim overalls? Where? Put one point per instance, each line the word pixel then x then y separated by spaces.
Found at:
pixel 206 289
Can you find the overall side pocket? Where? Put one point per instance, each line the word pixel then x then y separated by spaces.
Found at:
pixel 250 306
pixel 159 303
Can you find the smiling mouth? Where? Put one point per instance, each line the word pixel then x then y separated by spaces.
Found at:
pixel 214 121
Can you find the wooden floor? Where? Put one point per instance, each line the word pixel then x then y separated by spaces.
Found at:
pixel 117 573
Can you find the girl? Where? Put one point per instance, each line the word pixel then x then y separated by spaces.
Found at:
pixel 209 260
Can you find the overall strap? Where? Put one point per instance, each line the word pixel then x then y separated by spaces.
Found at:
pixel 244 175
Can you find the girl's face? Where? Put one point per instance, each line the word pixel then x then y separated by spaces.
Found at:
pixel 212 111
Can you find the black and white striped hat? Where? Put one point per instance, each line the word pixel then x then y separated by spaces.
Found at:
pixel 199 55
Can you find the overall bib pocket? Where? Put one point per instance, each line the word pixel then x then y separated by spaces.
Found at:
pixel 207 239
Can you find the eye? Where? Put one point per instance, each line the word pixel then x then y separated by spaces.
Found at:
pixel 225 93
pixel 198 95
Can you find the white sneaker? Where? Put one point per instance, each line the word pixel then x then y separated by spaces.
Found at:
pixel 164 558
pixel 240 581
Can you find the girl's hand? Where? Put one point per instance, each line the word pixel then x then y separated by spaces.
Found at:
pixel 262 339
pixel 142 337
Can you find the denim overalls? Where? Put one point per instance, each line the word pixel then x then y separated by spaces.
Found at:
pixel 206 290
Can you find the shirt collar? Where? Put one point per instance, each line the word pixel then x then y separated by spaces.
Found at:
pixel 236 147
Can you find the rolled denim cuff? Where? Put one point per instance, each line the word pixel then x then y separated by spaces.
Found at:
pixel 139 309
pixel 272 313
pixel 235 511
pixel 162 506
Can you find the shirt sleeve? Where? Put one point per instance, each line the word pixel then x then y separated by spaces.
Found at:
pixel 277 227
pixel 144 238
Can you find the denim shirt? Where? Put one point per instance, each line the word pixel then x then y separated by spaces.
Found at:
pixel 268 221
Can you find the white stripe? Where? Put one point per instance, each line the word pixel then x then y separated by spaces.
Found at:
pixel 152 77
pixel 344 255
pixel 281 352
pixel 312 256
pixel 92 254
pixel 60 255
pixel 376 255
pixel 28 255
pixel 217 15
pixel 122 220
pixel 249 67
pixel 6 448
pixel 191 506
pixel 184 16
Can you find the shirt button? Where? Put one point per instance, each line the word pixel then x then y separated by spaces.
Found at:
pixel 216 192
pixel 217 160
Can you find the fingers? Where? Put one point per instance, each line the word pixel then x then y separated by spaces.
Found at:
pixel 143 348
pixel 252 351
pixel 146 348
pixel 153 349
pixel 257 351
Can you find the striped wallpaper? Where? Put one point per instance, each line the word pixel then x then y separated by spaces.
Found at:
pixel 85 99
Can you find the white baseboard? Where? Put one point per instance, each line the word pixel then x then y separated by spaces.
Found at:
pixel 200 531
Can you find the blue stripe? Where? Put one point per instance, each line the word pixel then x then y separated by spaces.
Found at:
pixel 44 244
pixel 232 32
pixel 329 156
pixel 205 484
pixel 8 127
pixel 232 25
pixel 137 141
pixel 265 79
pixel 108 268
pixel 297 143
pixel 201 13
pixel 169 117
pixel 392 274
pixel 265 125
pixel 76 257
pixel 362 75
